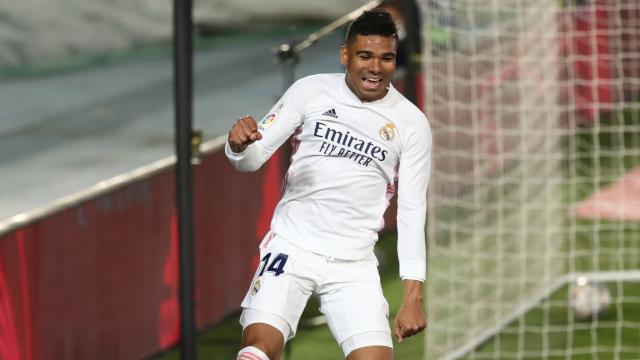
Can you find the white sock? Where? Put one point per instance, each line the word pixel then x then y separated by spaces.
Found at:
pixel 251 353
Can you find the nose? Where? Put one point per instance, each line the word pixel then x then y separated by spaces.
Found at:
pixel 375 66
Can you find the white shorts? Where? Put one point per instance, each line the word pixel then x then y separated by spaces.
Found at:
pixel 349 291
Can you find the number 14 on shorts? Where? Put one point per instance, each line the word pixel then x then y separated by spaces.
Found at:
pixel 276 266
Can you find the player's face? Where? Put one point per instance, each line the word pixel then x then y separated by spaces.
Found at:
pixel 370 61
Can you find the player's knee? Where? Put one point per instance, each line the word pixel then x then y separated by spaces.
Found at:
pixel 262 349
pixel 252 353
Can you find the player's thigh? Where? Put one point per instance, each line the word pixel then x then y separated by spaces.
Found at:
pixel 355 308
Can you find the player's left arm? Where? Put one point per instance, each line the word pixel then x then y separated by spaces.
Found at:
pixel 410 318
pixel 413 179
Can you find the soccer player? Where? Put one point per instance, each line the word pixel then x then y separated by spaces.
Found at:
pixel 354 138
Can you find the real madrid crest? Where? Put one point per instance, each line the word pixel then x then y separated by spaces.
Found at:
pixel 387 132
pixel 256 287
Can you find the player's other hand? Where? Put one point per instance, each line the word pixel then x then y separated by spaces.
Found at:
pixel 243 133
pixel 410 319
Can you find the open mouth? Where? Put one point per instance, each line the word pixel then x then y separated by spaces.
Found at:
pixel 371 83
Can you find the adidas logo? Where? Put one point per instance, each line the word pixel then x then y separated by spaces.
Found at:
pixel 331 113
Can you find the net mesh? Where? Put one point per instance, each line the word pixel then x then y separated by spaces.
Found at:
pixel 535 116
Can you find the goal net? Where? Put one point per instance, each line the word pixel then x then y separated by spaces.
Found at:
pixel 535 112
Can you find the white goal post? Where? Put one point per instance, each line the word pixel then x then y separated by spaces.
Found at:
pixel 535 112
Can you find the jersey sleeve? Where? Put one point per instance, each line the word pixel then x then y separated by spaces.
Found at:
pixel 413 178
pixel 276 127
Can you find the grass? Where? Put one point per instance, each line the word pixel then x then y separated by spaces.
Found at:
pixel 550 331
pixel 219 342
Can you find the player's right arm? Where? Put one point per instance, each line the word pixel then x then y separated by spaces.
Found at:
pixel 250 144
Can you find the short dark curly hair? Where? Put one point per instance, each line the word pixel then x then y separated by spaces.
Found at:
pixel 372 22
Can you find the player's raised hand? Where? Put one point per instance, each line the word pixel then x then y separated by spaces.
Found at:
pixel 243 133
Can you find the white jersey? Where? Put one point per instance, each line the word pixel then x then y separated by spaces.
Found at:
pixel 348 156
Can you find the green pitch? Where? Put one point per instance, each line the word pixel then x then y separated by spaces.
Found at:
pixel 562 337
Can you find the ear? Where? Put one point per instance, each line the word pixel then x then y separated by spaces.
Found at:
pixel 344 55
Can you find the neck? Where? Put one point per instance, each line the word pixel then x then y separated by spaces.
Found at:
pixel 352 87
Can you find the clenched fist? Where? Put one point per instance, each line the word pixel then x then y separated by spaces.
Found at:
pixel 243 133
pixel 410 318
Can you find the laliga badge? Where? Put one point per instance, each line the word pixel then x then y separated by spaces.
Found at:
pixel 266 122
pixel 387 132
pixel 256 287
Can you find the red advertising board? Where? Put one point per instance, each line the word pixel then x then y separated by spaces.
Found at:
pixel 99 280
